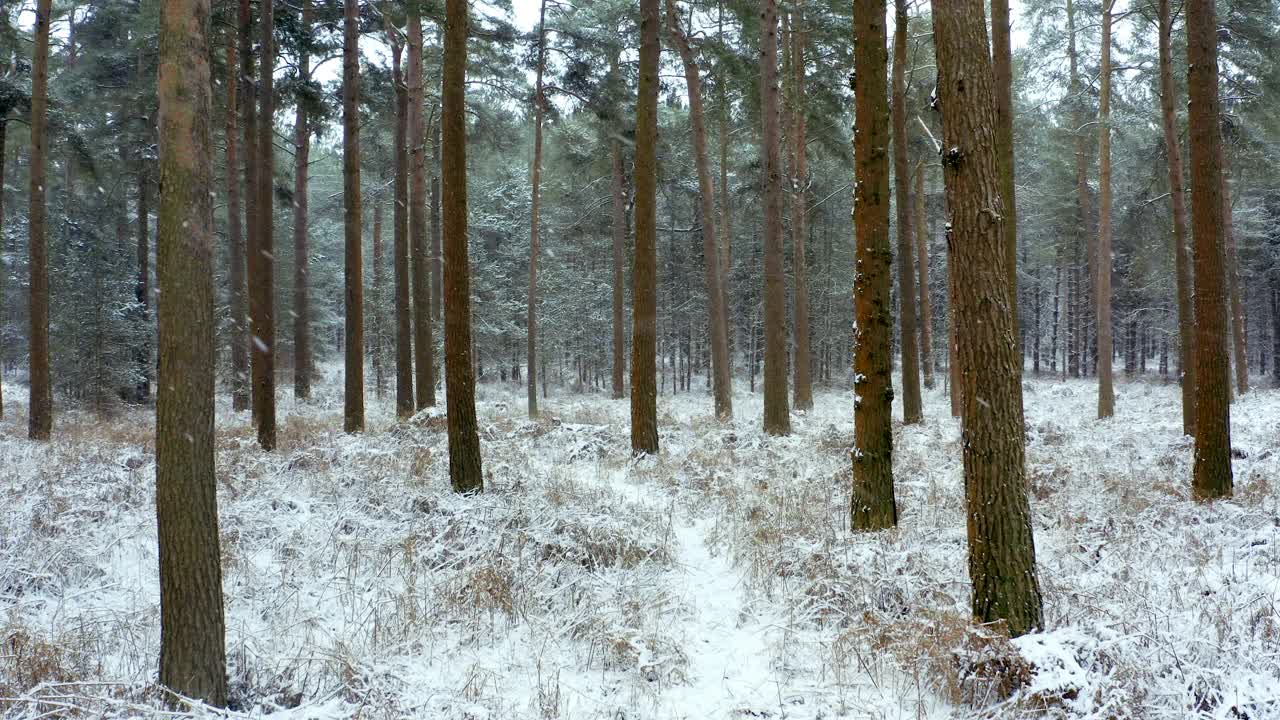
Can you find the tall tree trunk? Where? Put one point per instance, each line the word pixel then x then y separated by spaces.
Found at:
pixel 912 411
pixel 953 351
pixel 464 440
pixel 192 628
pixel 400 237
pixel 1002 67
pixel 423 343
pixel 1079 327
pixel 800 214
pixel 1239 331
pixel 235 232
pixel 437 259
pixel 922 268
pixel 353 251
pixel 378 305
pixel 4 132
pixel 242 385
pixel 1102 283
pixel 262 259
pixel 1182 261
pixel 619 239
pixel 873 506
pixel 1211 475
pixel 302 365
pixel 725 224
pixel 40 420
pixel 777 416
pixel 531 307
pixel 1002 563
pixel 644 274
pixel 722 383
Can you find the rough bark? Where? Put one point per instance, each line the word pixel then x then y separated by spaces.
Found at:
pixel 644 274
pixel 235 234
pixel 619 240
pixel 1211 473
pixel 777 416
pixel 353 255
pixel 873 506
pixel 1001 547
pixel 437 259
pixel 302 366
pixel 800 213
pixel 464 440
pixel 242 384
pixel 1002 67
pixel 722 388
pixel 192 628
pixel 922 268
pixel 4 132
pixel 1102 282
pixel 531 306
pixel 423 344
pixel 262 259
pixel 1178 204
pixel 912 410
pixel 40 418
pixel 400 237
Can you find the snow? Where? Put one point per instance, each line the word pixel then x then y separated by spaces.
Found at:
pixel 717 580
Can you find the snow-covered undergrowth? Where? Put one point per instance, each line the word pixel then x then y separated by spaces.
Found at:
pixel 717 580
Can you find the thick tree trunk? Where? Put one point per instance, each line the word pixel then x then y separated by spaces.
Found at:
pixel 437 258
pixel 242 387
pixel 40 419
pixel 922 269
pixel 912 410
pixel 531 306
pixel 1178 203
pixel 460 393
pixel 192 628
pixel 873 506
pixel 1239 330
pixel 800 215
pixel 722 383
pixel 400 238
pixel 1211 475
pixel 353 251
pixel 777 416
pixel 235 233
pixel 1002 67
pixel 1002 563
pixel 1102 283
pixel 953 355
pixel 423 342
pixel 644 275
pixel 302 366
pixel 262 259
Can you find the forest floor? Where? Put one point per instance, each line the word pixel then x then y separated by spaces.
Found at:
pixel 716 580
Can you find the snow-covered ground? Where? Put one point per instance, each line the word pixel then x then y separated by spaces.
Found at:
pixel 717 580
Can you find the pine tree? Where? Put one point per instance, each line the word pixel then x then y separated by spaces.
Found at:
pixel 912 411
pixel 192 629
pixel 1211 476
pixel 1001 547
pixel 40 420
pixel 302 363
pixel 873 506
pixel 353 275
pixel 399 234
pixel 777 415
pixel 464 440
pixel 1102 282
pixel 644 275
pixel 800 212
pixel 235 231
pixel 531 306
pixel 423 343
pixel 262 258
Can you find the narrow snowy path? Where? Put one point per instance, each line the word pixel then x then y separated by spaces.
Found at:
pixel 728 645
